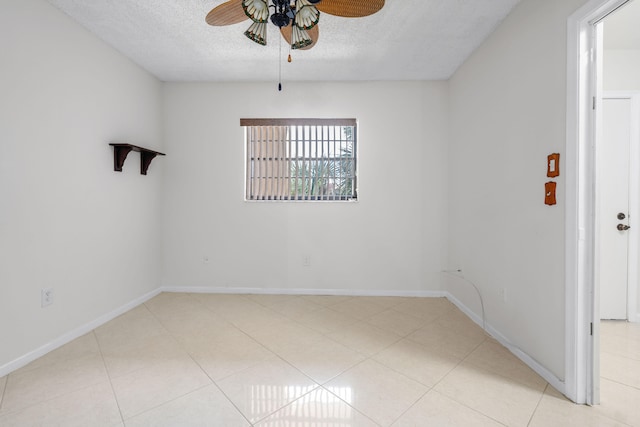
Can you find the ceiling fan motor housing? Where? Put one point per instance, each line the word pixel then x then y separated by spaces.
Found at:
pixel 283 13
pixel 280 19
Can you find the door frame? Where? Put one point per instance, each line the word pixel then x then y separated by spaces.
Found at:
pixel 581 294
pixel 634 198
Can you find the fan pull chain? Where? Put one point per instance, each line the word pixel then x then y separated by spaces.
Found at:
pixel 293 24
pixel 280 66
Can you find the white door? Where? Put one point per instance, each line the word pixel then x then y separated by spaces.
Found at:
pixel 615 218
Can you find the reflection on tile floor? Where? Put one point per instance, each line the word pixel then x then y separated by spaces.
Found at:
pixel 282 360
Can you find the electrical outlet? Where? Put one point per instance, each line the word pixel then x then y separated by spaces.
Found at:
pixel 306 261
pixel 46 297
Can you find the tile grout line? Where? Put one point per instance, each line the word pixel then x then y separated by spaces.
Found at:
pixel 167 402
pixel 625 356
pixel 487 338
pixel 366 356
pixel 245 333
pixel 537 405
pixel 457 365
pixel 106 369
pixel 349 405
pixel 446 397
pixel 231 402
pixel 291 364
pixel 432 388
pixel 472 409
pixel 453 369
pixel 371 357
pixel 620 383
pixel 214 382
pixel 317 385
pixel 357 321
pixel 275 354
pixel 505 376
pixel 47 399
pixel 186 352
pixel 429 389
pixel 616 421
pixel 4 391
pixel 258 421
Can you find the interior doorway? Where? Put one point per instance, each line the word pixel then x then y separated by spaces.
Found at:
pixel 616 200
pixel 584 112
pixel 582 334
pixel 617 157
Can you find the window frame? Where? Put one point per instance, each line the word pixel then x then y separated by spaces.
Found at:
pixel 248 123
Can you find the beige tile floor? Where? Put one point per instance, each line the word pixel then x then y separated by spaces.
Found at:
pixel 275 360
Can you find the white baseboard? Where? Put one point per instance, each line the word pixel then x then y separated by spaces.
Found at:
pixel 274 291
pixel 554 381
pixel 72 335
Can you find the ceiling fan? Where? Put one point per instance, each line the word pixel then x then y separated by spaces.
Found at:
pixel 296 19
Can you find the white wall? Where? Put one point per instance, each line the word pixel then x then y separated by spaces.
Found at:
pixel 67 220
pixel 508 113
pixel 621 69
pixel 392 240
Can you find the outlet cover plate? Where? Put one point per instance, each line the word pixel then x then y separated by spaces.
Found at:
pixel 46 297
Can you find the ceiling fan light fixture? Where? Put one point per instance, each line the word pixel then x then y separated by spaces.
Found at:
pixel 296 19
pixel 257 10
pixel 307 15
pixel 299 38
pixel 257 32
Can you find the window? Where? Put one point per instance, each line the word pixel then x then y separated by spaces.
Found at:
pixel 301 159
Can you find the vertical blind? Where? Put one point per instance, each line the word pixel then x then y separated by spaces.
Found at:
pixel 301 159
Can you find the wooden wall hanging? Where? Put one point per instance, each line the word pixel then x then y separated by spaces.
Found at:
pixel 550 193
pixel 553 165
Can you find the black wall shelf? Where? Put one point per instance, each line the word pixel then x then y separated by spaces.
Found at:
pixel 121 150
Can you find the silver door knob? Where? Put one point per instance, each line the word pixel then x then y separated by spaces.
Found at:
pixel 623 227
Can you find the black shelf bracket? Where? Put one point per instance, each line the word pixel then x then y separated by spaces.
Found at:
pixel 121 150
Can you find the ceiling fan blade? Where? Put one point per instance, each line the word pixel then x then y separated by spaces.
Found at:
pixel 350 8
pixel 286 33
pixel 227 13
pixel 314 34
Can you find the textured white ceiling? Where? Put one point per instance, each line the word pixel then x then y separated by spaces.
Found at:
pixel 406 40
